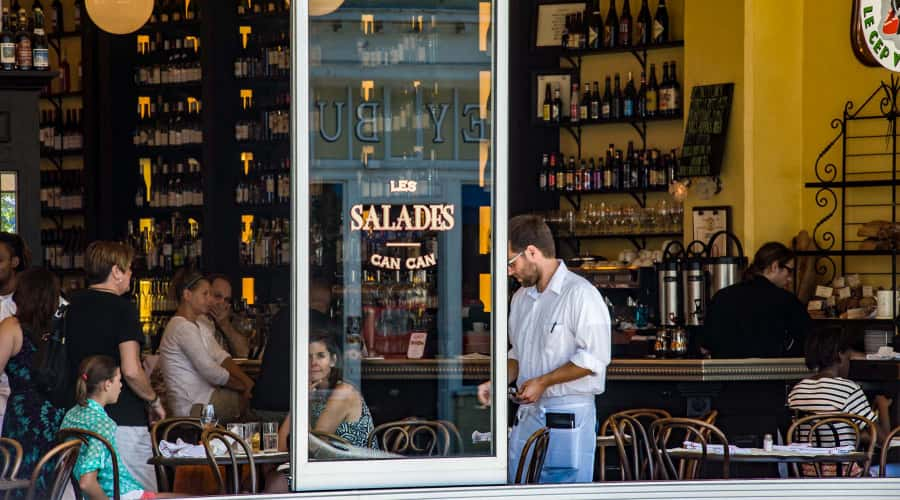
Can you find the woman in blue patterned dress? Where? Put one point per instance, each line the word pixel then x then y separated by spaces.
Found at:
pixel 31 419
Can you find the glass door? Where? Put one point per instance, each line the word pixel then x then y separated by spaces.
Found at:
pixel 399 314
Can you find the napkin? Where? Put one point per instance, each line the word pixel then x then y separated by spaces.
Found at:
pixel 180 449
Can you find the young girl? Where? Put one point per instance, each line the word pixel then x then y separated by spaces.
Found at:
pixel 99 384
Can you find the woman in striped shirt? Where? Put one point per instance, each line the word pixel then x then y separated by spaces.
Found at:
pixel 828 352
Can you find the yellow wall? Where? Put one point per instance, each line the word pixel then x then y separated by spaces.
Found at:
pixel 714 53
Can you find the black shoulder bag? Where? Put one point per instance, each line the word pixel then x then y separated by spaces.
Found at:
pixel 51 364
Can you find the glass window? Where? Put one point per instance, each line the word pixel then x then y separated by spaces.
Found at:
pixel 8 201
pixel 401 199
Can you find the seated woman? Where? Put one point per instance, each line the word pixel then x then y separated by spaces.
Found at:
pixel 335 406
pixel 99 384
pixel 829 390
pixel 196 370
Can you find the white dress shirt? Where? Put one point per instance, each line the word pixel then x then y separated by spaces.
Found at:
pixel 191 363
pixel 569 321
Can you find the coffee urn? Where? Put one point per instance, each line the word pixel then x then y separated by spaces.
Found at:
pixel 669 280
pixel 694 291
pixel 724 270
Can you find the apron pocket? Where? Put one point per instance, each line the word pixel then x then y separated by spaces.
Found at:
pixel 564 448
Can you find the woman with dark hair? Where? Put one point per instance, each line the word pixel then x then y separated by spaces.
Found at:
pixel 196 369
pixel 758 317
pixel 31 419
pixel 335 406
pixel 99 384
pixel 14 259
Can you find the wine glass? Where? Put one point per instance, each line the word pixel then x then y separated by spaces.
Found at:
pixel 208 416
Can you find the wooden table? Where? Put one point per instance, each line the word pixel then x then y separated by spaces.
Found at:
pixel 14 484
pixel 258 458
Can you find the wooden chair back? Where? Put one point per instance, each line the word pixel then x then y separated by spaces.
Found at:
pixel 61 458
pixel 686 429
pixel 412 437
pixel 635 455
pixel 12 458
pixel 824 430
pixel 228 439
pixel 456 440
pixel 84 436
pixel 534 452
pixel 169 429
pixel 885 448
pixel 645 416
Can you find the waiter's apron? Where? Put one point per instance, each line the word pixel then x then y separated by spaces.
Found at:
pixel 570 454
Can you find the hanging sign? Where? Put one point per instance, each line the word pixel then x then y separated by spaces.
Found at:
pixel 438 217
pixel 880 21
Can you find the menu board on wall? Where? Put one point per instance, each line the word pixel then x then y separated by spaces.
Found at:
pixel 704 136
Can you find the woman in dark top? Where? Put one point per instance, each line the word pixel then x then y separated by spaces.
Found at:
pixel 31 419
pixel 758 317
pixel 101 321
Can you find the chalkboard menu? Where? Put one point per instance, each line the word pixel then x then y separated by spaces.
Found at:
pixel 704 137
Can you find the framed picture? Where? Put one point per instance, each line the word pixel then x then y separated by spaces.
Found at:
pixel 561 79
pixel 550 19
pixel 708 221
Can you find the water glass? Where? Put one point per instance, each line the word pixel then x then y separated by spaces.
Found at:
pixel 251 434
pixel 208 416
pixel 270 437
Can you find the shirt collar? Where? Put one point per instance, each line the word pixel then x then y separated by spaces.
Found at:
pixel 93 405
pixel 556 282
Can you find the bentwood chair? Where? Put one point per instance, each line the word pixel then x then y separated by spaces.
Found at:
pixel 331 439
pixel 825 430
pixel 412 437
pixel 61 458
pixel 170 429
pixel 12 458
pixel 686 429
pixel 636 458
pixel 455 436
pixel 228 439
pixel 534 452
pixel 645 416
pixel 885 449
pixel 84 436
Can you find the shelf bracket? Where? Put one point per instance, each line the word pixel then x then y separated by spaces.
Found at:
pixel 574 200
pixel 639 244
pixel 641 198
pixel 575 132
pixel 641 128
pixel 641 56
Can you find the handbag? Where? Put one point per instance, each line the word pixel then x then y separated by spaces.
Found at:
pixel 51 364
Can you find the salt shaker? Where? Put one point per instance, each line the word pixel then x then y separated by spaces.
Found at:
pixel 767 442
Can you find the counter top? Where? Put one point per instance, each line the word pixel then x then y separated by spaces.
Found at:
pixel 661 370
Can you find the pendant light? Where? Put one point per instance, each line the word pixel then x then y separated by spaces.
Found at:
pixel 119 17
pixel 323 7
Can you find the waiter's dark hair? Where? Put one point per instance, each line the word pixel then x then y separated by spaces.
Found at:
pixel 823 348
pixel 770 252
pixel 527 230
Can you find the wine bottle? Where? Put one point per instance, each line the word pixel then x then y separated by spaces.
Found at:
pixel 7 43
pixel 584 108
pixel 606 105
pixel 641 102
pixel 556 106
pixel 625 25
pixel 628 105
pixel 661 23
pixel 617 100
pixel 611 28
pixel 65 78
pixel 24 61
pixel 542 176
pixel 595 26
pixel 595 102
pixel 574 99
pixel 40 51
pixel 663 94
pixel 652 93
pixel 643 25
pixel 674 105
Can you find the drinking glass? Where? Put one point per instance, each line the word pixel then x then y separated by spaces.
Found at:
pixel 270 437
pixel 251 434
pixel 237 430
pixel 208 416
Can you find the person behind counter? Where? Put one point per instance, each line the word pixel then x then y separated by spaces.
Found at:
pixel 758 317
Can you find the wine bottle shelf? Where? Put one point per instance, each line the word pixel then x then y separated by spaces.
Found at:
pixel 282 18
pixel 64 95
pixel 171 27
pixel 262 144
pixel 661 189
pixel 619 236
pixel 59 212
pixel 849 253
pixel 589 123
pixel 190 211
pixel 278 209
pixel 186 149
pixel 267 82
pixel 855 184
pixel 182 87
pixel 619 50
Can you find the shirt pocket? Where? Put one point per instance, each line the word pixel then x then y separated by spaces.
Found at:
pixel 557 338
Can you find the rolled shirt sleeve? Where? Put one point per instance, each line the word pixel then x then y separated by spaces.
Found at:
pixel 592 331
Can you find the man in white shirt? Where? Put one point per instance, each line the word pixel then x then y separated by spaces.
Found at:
pixel 559 330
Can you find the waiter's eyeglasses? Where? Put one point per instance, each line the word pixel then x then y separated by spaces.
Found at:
pixel 788 269
pixel 510 262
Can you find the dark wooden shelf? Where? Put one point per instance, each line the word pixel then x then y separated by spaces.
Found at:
pixel 662 189
pixel 619 236
pixel 855 184
pixel 183 149
pixel 63 95
pixel 26 80
pixel 172 27
pixel 56 35
pixel 277 209
pixel 54 153
pixel 262 144
pixel 184 87
pixel 58 212
pixel 619 50
pixel 590 123
pixel 192 211
pixel 265 17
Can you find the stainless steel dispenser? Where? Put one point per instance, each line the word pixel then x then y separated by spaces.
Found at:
pixel 669 280
pixel 724 270
pixel 694 292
